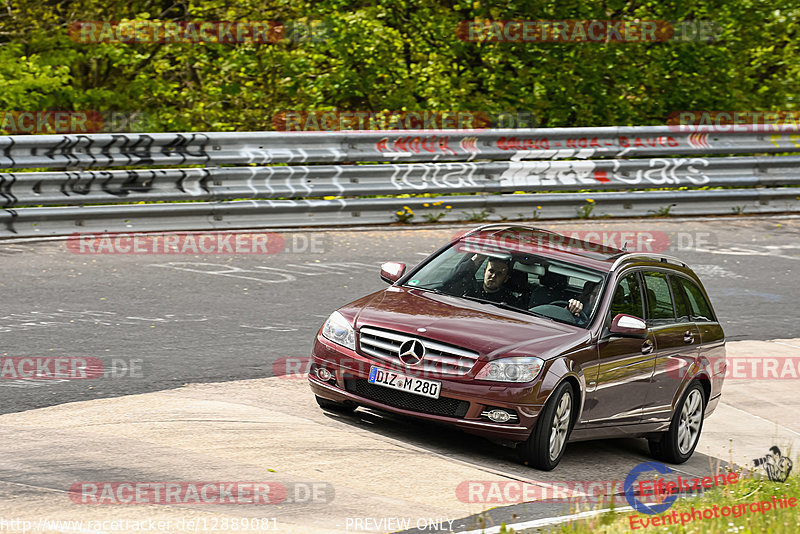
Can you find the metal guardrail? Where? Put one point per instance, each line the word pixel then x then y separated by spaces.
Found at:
pixel 226 183
pixel 303 169
pixel 114 150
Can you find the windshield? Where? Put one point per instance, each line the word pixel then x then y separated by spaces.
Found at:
pixel 526 282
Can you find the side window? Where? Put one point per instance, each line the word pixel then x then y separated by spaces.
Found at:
pixel 701 311
pixel 659 302
pixel 682 308
pixel 627 297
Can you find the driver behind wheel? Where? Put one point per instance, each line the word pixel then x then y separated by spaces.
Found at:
pixel 585 299
pixel 494 286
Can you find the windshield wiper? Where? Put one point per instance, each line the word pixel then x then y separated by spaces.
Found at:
pixel 499 305
pixel 434 289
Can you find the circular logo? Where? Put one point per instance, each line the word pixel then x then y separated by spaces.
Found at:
pixel 411 352
pixel 630 492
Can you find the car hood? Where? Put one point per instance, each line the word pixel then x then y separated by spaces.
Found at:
pixel 491 331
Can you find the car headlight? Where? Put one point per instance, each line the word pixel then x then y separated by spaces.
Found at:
pixel 521 369
pixel 340 331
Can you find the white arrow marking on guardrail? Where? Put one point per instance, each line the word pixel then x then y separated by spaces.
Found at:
pixel 335 180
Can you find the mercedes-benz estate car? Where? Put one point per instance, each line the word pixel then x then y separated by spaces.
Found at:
pixel 532 339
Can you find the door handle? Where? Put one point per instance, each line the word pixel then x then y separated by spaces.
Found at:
pixel 688 337
pixel 647 346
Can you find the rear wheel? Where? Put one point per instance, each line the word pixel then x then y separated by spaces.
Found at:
pixel 545 446
pixel 332 406
pixel 678 443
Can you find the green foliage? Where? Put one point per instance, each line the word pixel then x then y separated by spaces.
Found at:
pixel 395 55
pixel 434 217
pixel 585 211
pixel 662 211
pixel 475 216
pixel 747 491
pixel 404 215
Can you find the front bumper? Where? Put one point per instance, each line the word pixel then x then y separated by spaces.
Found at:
pixel 460 403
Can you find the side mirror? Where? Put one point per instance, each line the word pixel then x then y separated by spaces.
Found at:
pixel 625 325
pixel 391 271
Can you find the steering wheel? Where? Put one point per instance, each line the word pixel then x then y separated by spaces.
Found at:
pixel 581 317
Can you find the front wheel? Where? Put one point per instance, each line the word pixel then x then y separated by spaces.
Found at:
pixel 545 446
pixel 678 443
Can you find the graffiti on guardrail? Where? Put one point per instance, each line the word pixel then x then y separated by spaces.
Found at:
pixel 522 147
pixel 317 187
pixel 405 145
pixel 658 171
pixel 98 150
pixel 423 176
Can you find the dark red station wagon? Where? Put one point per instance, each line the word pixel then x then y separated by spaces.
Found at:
pixel 530 338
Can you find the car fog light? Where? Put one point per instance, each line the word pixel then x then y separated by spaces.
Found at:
pixel 499 416
pixel 323 374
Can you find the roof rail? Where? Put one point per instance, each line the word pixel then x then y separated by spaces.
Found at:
pixel 641 255
pixel 508 226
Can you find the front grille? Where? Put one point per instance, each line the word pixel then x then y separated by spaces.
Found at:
pixel 407 401
pixel 440 359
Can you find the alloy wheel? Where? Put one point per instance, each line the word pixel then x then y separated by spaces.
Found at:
pixel 560 425
pixel 689 424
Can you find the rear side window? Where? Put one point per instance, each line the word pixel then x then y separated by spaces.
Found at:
pixel 657 295
pixel 627 297
pixel 700 309
pixel 682 308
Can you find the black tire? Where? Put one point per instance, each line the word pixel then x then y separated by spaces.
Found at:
pixel 677 444
pixel 543 450
pixel 332 406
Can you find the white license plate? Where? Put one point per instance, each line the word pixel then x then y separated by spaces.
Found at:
pixel 418 386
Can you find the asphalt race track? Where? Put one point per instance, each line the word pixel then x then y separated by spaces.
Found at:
pixel 160 322
pixel 187 319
